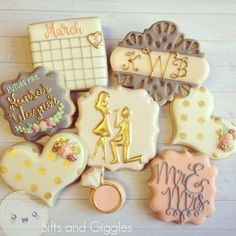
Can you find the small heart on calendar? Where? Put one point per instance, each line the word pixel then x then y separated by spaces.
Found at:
pixel 45 174
pixel 95 39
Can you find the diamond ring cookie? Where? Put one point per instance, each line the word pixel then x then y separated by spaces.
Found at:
pixel 183 187
pixel 106 196
pixel 120 126
pixel 36 105
pixel 73 47
pixel 44 174
pixel 195 128
pixel 159 60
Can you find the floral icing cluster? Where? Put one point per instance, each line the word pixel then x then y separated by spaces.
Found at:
pixel 64 149
pixel 43 125
pixel 227 137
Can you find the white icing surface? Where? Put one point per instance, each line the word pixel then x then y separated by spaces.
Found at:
pixel 143 120
pixel 64 46
pixel 20 213
pixel 197 70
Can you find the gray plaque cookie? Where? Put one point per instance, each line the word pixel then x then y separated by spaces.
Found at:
pixel 159 60
pixel 36 105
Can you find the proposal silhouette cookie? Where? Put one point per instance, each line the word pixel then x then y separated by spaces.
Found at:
pixel 120 127
pixel 159 60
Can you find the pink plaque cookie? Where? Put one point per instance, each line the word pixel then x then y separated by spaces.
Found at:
pixel 183 187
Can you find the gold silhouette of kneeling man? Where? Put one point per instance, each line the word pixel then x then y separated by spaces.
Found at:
pixel 121 139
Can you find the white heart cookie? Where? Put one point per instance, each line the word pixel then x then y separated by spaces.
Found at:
pixel 62 161
pixel 195 128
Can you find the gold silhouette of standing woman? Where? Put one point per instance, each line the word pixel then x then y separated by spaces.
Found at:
pixel 103 128
pixel 123 138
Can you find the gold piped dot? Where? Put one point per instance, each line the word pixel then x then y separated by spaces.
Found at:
pixel 57 180
pixel 3 170
pixel 67 164
pixel 215 155
pixel 186 103
pixel 184 117
pixel 201 120
pixel 217 120
pixel 201 103
pixel 202 89
pixel 47 195
pixel 18 176
pixel 41 171
pixel 33 188
pixel 200 136
pixel 52 156
pixel 27 163
pixel 12 152
pixel 183 135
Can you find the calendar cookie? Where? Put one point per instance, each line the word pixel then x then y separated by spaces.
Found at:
pixel 44 174
pixel 194 127
pixel 36 104
pixel 120 126
pixel 160 60
pixel 183 187
pixel 73 47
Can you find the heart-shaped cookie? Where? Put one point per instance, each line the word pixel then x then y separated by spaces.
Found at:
pixel 95 39
pixel 195 128
pixel 45 174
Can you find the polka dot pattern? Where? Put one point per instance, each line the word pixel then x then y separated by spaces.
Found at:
pixel 42 175
pixel 194 126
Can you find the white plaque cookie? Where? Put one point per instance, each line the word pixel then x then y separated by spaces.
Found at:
pixel 120 127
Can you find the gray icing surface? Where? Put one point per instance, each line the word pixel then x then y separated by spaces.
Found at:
pixel 162 36
pixel 161 90
pixel 27 88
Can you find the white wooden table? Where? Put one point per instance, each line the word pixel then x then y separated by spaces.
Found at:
pixel 212 22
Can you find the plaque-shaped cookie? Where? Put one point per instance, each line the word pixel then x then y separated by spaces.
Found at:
pixel 35 104
pixel 183 187
pixel 159 60
pixel 120 126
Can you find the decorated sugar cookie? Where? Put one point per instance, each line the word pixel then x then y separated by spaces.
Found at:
pixel 106 196
pixel 159 60
pixel 73 47
pixel 195 128
pixel 62 161
pixel 120 127
pixel 20 213
pixel 35 104
pixel 183 187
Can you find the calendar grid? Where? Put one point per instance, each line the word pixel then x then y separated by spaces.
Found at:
pixel 81 64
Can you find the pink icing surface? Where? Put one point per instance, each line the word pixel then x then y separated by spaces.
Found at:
pixel 107 198
pixel 183 187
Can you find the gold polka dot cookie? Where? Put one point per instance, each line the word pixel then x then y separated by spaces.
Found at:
pixel 194 127
pixel 45 174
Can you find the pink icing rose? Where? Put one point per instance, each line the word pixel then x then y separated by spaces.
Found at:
pixel 43 125
pixel 227 139
pixel 35 128
pixel 49 122
pixel 65 150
